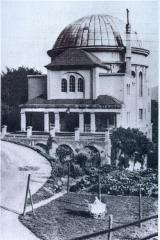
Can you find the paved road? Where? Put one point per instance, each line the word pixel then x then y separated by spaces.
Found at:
pixel 16 163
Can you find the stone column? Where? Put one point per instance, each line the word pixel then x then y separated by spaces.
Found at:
pixel 114 120
pixel 119 119
pixel 4 130
pixel 23 121
pixel 46 122
pixel 29 131
pixel 81 122
pixel 76 134
pixel 57 122
pixel 93 122
pixel 108 147
pixel 52 131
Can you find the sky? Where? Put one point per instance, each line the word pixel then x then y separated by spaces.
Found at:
pixel 30 28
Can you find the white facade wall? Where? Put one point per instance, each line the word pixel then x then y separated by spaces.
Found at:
pixel 139 59
pixel 108 56
pixel 37 85
pixel 110 85
pixel 54 84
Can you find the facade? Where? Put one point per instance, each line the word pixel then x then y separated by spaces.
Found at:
pixel 97 79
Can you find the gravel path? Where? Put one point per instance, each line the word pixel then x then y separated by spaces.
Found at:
pixel 16 163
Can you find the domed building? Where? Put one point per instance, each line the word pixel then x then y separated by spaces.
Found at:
pixel 97 79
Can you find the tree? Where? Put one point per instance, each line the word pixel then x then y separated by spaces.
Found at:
pixel 130 143
pixel 154 120
pixel 14 91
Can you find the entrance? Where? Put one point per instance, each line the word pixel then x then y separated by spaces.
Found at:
pixel 36 120
pixel 69 121
pixel 105 120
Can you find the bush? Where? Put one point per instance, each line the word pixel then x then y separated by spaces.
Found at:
pixel 121 182
pixel 81 158
pixel 76 171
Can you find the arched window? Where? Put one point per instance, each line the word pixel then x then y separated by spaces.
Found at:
pixel 128 89
pixel 133 74
pixel 72 84
pixel 64 85
pixel 80 85
pixel 140 84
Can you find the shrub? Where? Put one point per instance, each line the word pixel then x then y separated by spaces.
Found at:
pixel 76 170
pixel 121 182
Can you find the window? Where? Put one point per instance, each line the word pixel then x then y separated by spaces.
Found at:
pixel 148 107
pixel 141 113
pixel 148 91
pixel 128 117
pixel 140 84
pixel 128 89
pixel 72 84
pixel 85 36
pixel 80 85
pixel 64 85
pixel 133 74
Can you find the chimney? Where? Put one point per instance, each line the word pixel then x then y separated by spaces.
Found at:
pixel 128 45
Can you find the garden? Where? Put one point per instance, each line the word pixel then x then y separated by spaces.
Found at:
pixel 64 219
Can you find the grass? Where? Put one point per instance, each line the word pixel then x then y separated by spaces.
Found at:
pixel 64 218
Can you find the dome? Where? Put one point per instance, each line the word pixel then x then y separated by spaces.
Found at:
pixel 95 31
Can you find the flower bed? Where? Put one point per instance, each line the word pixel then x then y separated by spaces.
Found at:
pixel 119 182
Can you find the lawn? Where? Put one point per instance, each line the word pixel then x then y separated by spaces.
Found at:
pixel 63 219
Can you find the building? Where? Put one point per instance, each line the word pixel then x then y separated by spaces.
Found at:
pixel 97 79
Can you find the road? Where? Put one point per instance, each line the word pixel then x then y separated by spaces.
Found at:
pixel 16 163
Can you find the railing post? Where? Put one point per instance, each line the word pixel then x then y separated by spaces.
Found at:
pixel 140 207
pixel 52 131
pixel 29 131
pixel 110 226
pixel 76 134
pixel 4 130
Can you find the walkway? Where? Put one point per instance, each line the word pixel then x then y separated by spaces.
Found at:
pixel 17 162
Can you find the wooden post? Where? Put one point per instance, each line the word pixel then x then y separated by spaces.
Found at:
pixel 31 201
pixel 99 186
pixel 27 189
pixel 68 176
pixel 110 226
pixel 99 178
pixel 140 207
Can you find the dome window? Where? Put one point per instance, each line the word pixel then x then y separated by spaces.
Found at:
pixel 80 85
pixel 64 85
pixel 72 84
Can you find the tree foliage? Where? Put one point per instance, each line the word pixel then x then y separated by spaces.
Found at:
pixel 130 143
pixel 14 91
pixel 154 120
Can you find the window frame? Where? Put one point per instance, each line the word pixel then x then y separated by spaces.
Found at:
pixel 80 84
pixel 128 89
pixel 140 84
pixel 141 113
pixel 64 85
pixel 72 83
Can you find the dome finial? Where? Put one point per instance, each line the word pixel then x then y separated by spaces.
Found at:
pixel 127 16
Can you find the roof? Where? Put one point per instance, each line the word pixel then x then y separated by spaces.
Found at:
pixel 102 101
pixel 95 31
pixel 75 58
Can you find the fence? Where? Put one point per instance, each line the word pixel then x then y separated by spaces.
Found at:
pixel 110 230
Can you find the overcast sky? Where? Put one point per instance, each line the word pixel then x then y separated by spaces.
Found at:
pixel 30 28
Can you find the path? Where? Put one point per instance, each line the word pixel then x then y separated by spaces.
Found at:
pixel 16 163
